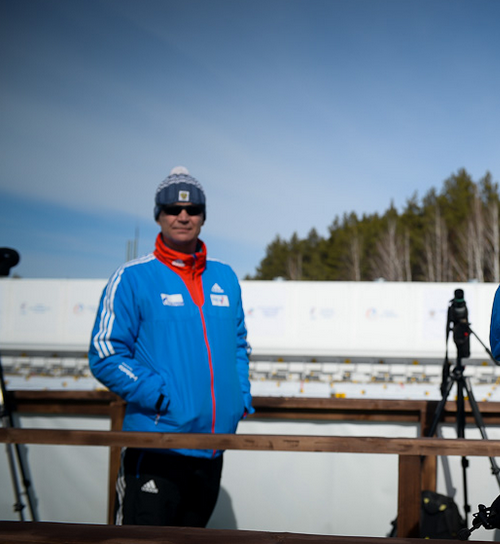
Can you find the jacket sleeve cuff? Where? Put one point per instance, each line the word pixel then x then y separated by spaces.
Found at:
pixel 161 404
pixel 249 409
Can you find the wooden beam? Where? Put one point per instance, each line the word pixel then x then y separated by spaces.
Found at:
pixel 62 402
pixel 117 412
pixel 326 409
pixel 16 532
pixel 409 496
pixel 429 472
pixel 353 444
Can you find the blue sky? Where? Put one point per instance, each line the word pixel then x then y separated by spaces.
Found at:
pixel 289 112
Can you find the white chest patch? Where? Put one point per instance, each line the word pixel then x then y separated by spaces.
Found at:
pixel 172 300
pixel 219 300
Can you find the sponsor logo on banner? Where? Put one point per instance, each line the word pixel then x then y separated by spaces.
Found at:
pixel 270 312
pixel 219 300
pixel 373 314
pixel 37 308
pixel 172 300
pixel 324 313
pixel 80 308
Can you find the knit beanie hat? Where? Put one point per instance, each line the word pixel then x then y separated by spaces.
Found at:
pixel 179 186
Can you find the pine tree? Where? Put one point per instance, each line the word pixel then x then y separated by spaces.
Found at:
pixel 452 235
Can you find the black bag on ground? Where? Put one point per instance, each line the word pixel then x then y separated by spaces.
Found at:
pixel 440 517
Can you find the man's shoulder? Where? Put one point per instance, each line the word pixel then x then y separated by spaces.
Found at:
pixel 217 264
pixel 133 267
pixel 218 267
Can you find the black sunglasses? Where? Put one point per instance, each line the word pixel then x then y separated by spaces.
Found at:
pixel 176 210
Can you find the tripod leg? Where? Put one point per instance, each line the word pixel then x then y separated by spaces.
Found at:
pixel 26 483
pixel 440 408
pixel 18 505
pixel 481 426
pixel 465 466
pixel 461 434
pixel 8 421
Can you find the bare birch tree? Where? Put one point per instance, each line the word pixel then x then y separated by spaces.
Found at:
pixel 492 236
pixel 354 257
pixel 407 262
pixel 476 239
pixel 294 266
pixel 389 261
pixel 437 253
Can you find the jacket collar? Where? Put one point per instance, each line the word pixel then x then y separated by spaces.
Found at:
pixel 182 263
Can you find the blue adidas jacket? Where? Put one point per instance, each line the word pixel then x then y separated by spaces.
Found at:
pixel 495 326
pixel 170 339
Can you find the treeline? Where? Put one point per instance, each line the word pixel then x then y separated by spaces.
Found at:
pixel 450 236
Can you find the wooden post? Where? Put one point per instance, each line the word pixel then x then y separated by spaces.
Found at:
pixel 117 413
pixel 409 496
pixel 429 462
pixel 429 472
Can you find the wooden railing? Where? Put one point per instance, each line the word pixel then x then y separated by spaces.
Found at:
pixel 409 450
pixel 417 466
pixel 15 532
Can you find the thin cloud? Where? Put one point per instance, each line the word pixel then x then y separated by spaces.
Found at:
pixel 288 112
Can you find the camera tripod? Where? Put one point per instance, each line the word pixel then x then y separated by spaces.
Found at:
pixel 458 317
pixel 8 258
pixel 7 421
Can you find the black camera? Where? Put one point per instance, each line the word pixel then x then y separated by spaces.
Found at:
pixel 489 518
pixel 8 258
pixel 458 316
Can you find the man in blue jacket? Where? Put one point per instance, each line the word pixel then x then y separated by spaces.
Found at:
pixel 170 339
pixel 495 326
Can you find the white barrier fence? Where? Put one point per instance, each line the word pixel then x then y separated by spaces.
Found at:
pixel 284 319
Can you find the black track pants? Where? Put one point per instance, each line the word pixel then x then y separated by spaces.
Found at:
pixel 163 489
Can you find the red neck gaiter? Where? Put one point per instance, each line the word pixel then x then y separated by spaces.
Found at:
pixel 188 266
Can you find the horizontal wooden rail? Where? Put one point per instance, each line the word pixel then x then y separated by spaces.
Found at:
pixel 331 409
pixel 302 443
pixel 337 444
pixel 410 452
pixel 15 532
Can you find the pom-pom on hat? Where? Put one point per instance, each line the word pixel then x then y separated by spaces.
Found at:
pixel 179 186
